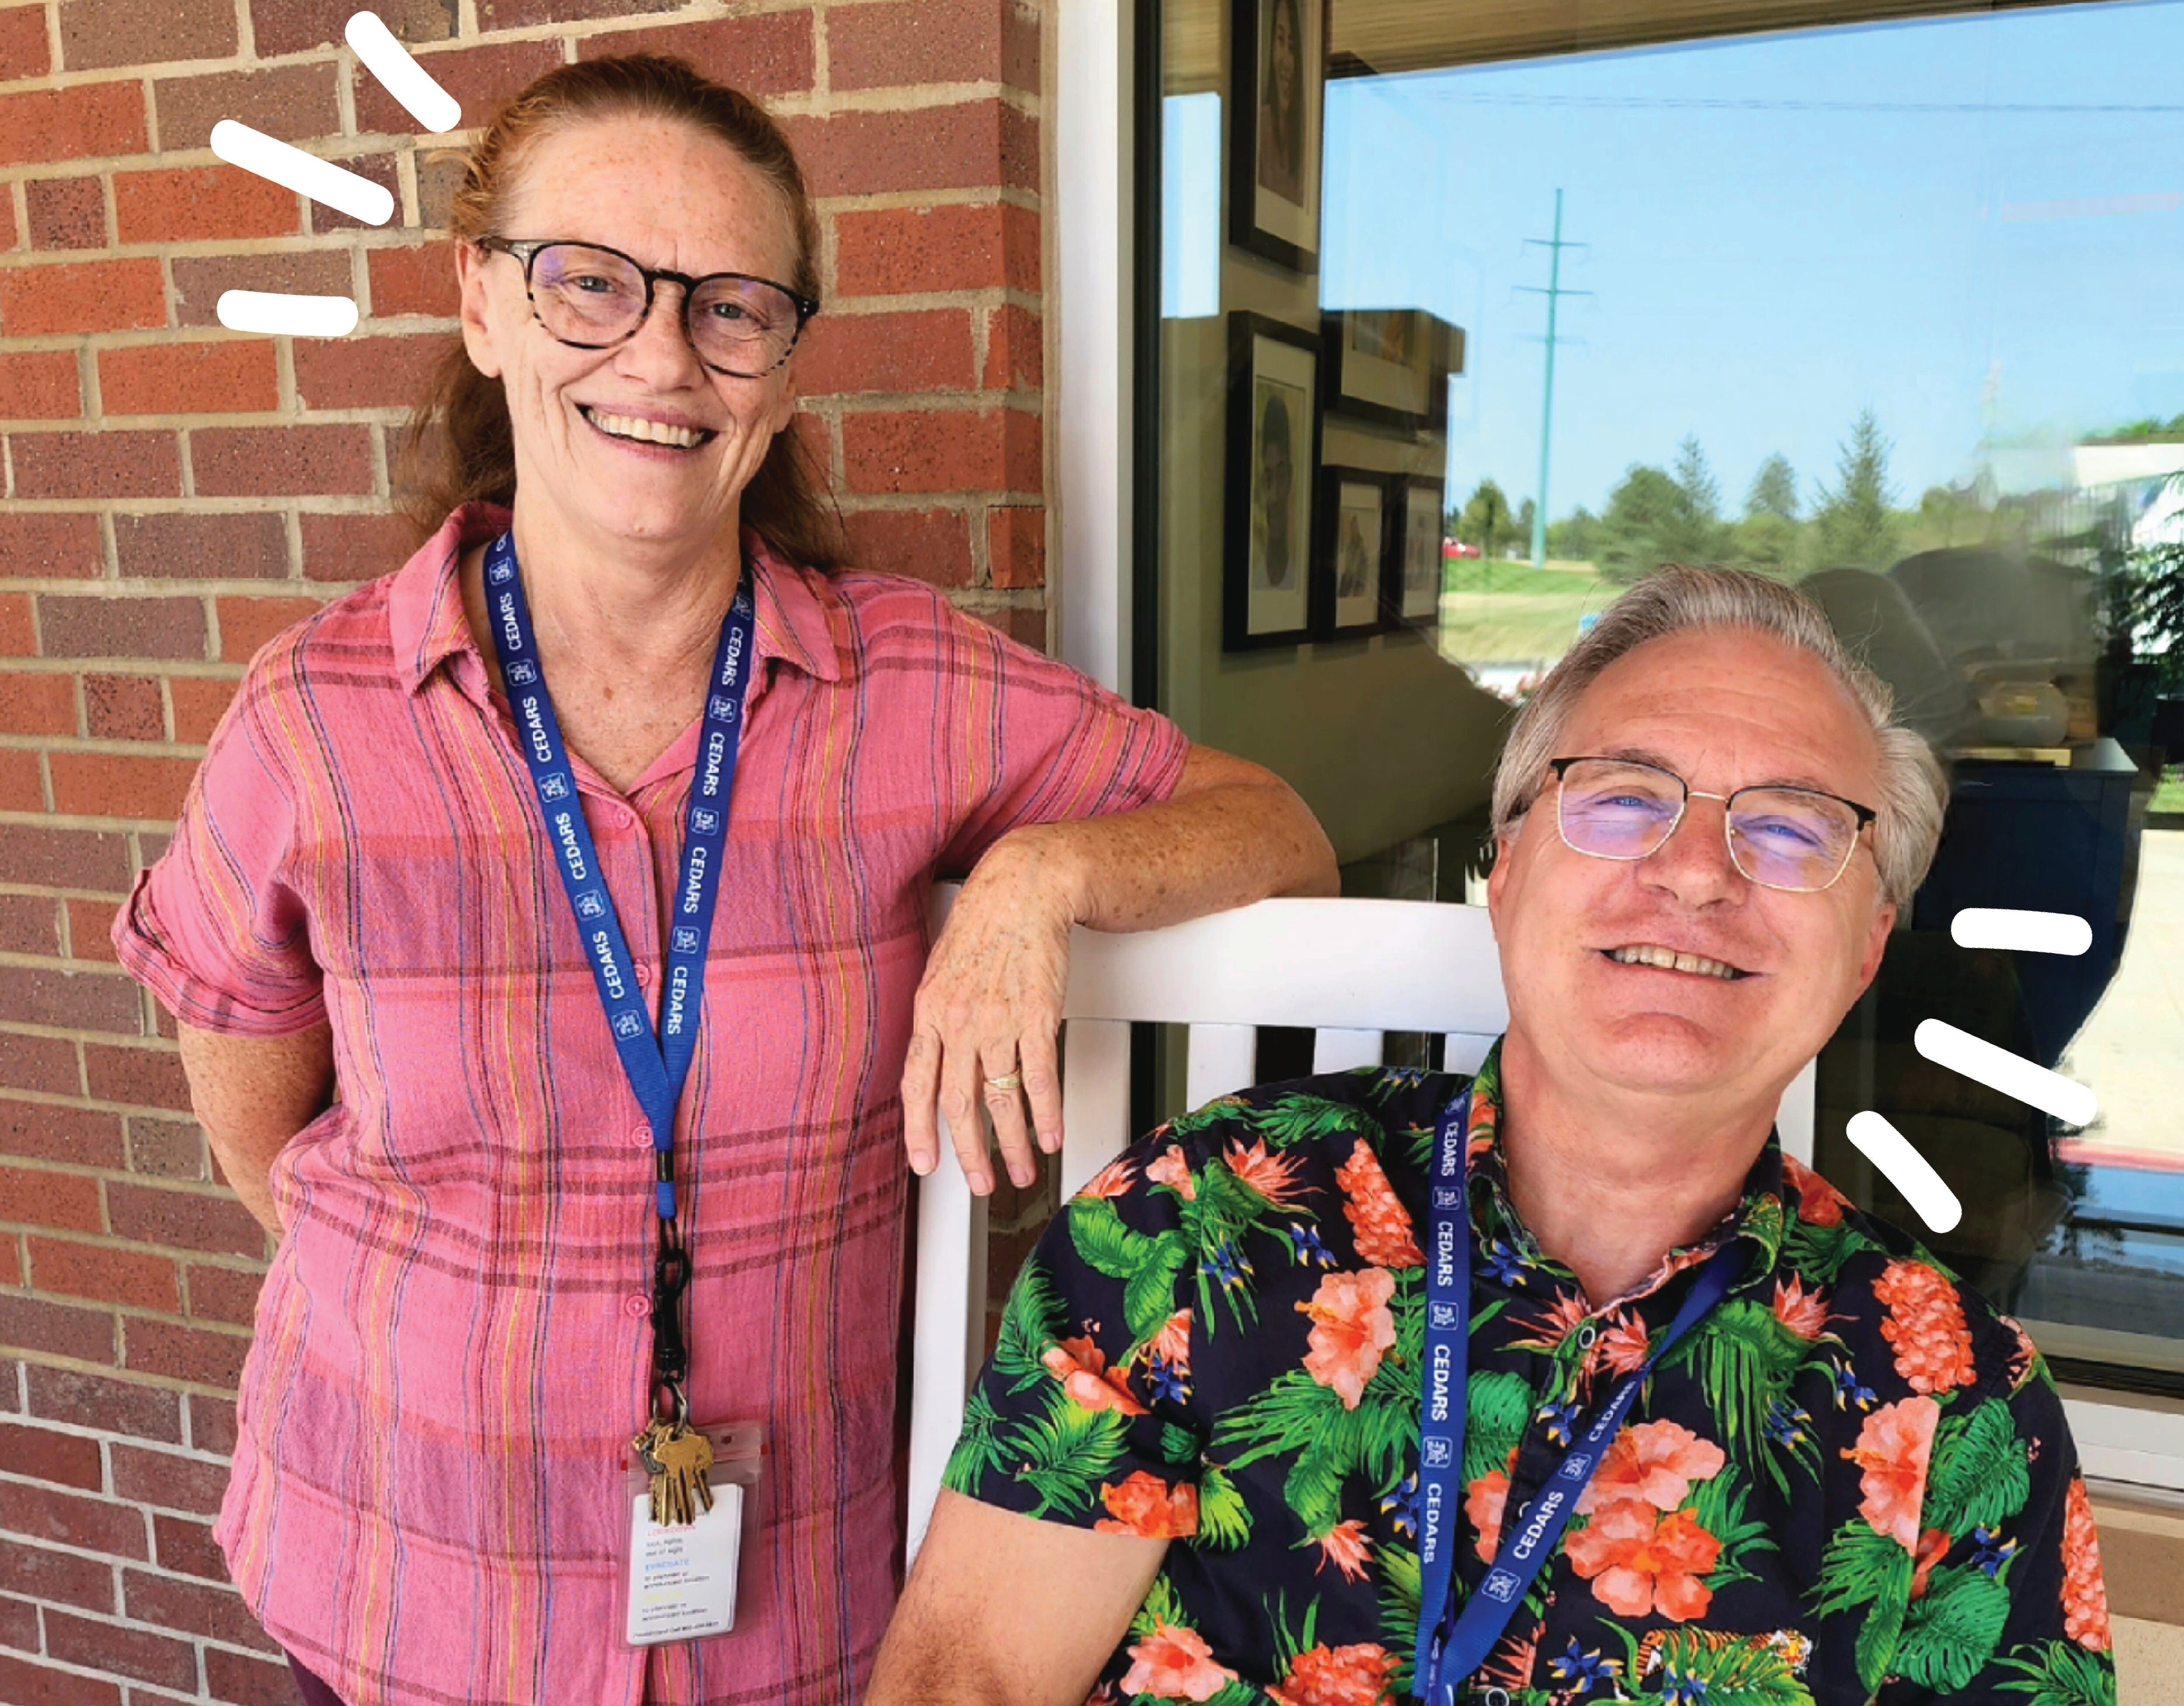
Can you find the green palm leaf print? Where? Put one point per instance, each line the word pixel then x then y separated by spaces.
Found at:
pixel 1033 1318
pixel 1863 1568
pixel 978 1452
pixel 1400 1588
pixel 1745 1359
pixel 1295 1118
pixel 1224 1519
pixel 1718 1505
pixel 1951 1631
pixel 1065 1453
pixel 2061 1674
pixel 1497 1409
pixel 1980 1473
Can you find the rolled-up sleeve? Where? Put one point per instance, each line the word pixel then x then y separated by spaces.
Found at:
pixel 215 929
pixel 1042 743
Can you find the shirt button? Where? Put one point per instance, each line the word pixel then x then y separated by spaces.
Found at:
pixel 637 1306
pixel 644 976
pixel 641 1136
pixel 1586 1335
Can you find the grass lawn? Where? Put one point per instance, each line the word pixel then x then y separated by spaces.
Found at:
pixel 1498 612
pixel 2168 793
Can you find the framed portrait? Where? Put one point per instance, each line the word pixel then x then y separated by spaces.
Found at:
pixel 1356 508
pixel 1277 51
pixel 1273 414
pixel 1415 599
pixel 1391 364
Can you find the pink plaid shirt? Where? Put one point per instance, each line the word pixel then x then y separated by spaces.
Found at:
pixel 452 1350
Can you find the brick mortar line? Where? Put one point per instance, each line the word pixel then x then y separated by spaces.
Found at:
pixel 109 1371
pixel 30 962
pixel 41 892
pixel 952 195
pixel 134 1311
pixel 226 1263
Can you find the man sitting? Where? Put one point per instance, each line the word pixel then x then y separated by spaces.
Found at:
pixel 1724 1439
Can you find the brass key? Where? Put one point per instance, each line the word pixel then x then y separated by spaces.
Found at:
pixel 677 1457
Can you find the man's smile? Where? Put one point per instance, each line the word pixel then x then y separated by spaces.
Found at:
pixel 1669 960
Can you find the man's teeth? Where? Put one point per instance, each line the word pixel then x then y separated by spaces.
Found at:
pixel 653 432
pixel 1668 959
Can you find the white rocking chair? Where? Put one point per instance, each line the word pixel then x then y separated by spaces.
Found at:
pixel 1350 970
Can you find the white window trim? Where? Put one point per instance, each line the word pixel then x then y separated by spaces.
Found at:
pixel 1093 43
pixel 2121 1437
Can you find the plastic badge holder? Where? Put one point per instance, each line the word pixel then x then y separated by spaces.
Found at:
pixel 680 1583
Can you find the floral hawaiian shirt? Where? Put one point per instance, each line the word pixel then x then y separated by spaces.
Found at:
pixel 1851 1482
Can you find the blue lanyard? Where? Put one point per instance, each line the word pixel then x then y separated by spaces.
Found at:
pixel 657 1065
pixel 1450 1647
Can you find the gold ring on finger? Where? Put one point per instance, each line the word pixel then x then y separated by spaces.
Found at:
pixel 1007 1080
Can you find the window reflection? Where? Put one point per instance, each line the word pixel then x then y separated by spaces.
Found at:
pixel 1888 311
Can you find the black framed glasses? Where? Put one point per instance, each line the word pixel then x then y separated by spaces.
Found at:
pixel 591 298
pixel 1794 839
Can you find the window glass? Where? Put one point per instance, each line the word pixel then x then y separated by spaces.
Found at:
pixel 1889 310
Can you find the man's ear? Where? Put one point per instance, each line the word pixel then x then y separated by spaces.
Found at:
pixel 1876 943
pixel 1505 848
pixel 477 329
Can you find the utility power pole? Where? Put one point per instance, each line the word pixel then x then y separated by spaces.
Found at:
pixel 1554 292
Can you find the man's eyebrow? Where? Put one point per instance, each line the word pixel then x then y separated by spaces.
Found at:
pixel 1639 754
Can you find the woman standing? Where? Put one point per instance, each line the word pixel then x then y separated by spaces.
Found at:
pixel 614 765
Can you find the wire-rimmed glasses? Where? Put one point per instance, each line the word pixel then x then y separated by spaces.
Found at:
pixel 1799 839
pixel 593 298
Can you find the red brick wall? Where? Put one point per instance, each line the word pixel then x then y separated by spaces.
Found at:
pixel 176 493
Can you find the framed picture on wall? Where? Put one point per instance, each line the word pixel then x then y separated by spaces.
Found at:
pixel 1357 511
pixel 1415 601
pixel 1273 414
pixel 1391 364
pixel 1277 80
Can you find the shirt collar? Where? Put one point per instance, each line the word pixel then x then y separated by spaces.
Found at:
pixel 797 610
pixel 1759 1215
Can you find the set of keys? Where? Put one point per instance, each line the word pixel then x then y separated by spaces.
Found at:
pixel 677 1457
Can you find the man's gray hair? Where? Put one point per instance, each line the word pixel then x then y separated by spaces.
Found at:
pixel 1678 599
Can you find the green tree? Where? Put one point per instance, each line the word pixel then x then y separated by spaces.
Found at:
pixel 1486 522
pixel 1525 512
pixel 1695 533
pixel 1855 526
pixel 1634 529
pixel 1766 538
pixel 1576 538
pixel 1774 490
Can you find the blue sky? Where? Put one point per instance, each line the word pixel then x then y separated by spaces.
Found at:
pixel 1973 225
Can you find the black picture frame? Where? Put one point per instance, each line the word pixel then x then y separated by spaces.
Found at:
pixel 1336 614
pixel 1368 380
pixel 1410 605
pixel 1281 229
pixel 1273 383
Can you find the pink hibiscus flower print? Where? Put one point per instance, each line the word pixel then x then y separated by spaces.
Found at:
pixel 1892 1450
pixel 1352 1330
pixel 1345 1547
pixel 1325 1675
pixel 1146 1505
pixel 1654 1463
pixel 1082 1368
pixel 1384 1235
pixel 1640 1561
pixel 1174 1662
pixel 1168 1167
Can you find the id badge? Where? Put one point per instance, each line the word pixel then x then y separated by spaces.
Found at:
pixel 679 1579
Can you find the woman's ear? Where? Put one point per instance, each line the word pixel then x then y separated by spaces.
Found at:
pixel 470 263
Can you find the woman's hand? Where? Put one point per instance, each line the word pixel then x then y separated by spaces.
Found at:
pixel 989 1008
